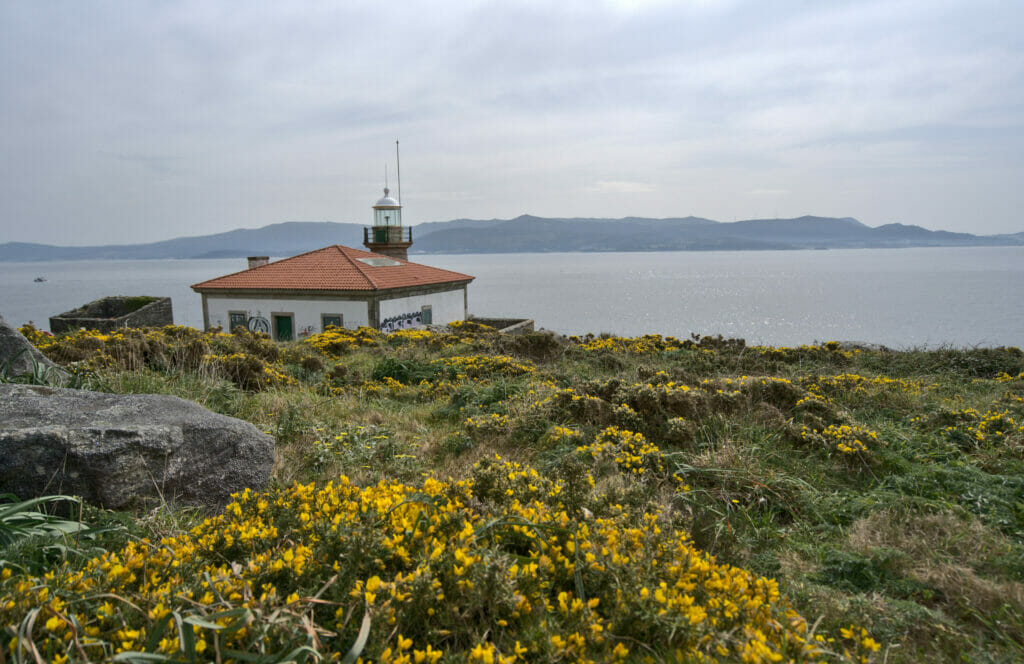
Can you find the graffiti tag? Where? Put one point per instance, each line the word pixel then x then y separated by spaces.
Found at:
pixel 402 322
pixel 258 323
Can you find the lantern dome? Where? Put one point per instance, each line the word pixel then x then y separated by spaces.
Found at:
pixel 387 201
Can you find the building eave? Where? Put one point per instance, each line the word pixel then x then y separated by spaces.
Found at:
pixel 355 294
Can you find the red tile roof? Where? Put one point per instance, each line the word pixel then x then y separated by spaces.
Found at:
pixel 333 268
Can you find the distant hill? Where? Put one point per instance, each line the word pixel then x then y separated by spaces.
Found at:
pixel 528 233
pixel 1012 236
pixel 284 239
pixel 536 234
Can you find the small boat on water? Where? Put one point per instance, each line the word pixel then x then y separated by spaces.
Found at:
pixel 39 280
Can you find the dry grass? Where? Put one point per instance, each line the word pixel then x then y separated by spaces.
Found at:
pixel 944 551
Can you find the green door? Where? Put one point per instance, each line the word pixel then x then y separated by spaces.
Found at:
pixel 283 325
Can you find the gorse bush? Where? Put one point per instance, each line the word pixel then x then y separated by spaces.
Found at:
pixel 248 359
pixel 339 341
pixel 464 496
pixel 503 574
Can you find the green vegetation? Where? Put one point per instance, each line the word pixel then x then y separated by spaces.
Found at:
pixel 136 302
pixel 470 497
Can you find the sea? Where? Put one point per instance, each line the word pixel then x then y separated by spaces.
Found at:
pixel 900 298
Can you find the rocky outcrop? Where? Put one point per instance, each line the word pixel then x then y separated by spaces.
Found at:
pixel 19 357
pixel 118 451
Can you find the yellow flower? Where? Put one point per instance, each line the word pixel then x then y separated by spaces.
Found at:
pixel 482 652
pixel 428 656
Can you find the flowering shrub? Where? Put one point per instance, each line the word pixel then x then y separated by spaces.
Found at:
pixel 468 327
pixel 409 337
pixel 629 450
pixel 830 352
pixel 247 371
pixel 482 366
pixel 847 439
pixel 559 435
pixel 372 450
pixel 386 386
pixel 494 423
pixel 247 358
pixel 647 344
pixel 970 428
pixel 243 357
pixel 569 405
pixel 411 574
pixel 35 336
pixel 168 347
pixel 339 341
pixel 849 382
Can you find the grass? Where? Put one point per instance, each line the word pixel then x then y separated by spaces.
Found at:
pixel 879 494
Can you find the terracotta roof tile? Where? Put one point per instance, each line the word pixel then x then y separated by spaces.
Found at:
pixel 333 268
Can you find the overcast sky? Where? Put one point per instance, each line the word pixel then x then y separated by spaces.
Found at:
pixel 136 121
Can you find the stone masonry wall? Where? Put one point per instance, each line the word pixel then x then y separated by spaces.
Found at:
pixel 506 325
pixel 112 313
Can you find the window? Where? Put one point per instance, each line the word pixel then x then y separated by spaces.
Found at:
pixel 336 320
pixel 426 315
pixel 236 319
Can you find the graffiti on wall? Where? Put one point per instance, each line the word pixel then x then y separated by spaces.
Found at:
pixel 306 331
pixel 258 323
pixel 253 323
pixel 402 322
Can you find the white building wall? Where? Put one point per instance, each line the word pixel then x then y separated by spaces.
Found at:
pixel 306 312
pixel 445 307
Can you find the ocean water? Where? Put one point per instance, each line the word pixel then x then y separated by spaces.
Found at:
pixel 898 297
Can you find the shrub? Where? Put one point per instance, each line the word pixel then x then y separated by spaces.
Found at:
pixel 541 346
pixel 248 372
pixel 518 580
pixel 406 371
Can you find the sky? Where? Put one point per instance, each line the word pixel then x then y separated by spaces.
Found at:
pixel 137 121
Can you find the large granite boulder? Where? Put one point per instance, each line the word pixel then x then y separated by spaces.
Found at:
pixel 119 451
pixel 18 357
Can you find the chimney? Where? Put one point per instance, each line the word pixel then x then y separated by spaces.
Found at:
pixel 256 261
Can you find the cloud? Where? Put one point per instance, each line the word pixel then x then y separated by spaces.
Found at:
pixel 209 116
pixel 619 187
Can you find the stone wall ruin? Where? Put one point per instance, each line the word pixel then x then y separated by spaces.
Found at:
pixel 111 313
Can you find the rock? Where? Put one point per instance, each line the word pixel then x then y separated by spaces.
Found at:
pixel 18 356
pixel 120 451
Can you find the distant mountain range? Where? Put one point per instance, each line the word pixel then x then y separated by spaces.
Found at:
pixel 533 234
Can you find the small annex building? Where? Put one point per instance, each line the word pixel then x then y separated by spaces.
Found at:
pixel 337 285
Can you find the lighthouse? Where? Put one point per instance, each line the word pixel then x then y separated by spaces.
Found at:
pixel 387 235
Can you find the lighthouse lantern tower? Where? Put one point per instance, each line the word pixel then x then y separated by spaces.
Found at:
pixel 387 235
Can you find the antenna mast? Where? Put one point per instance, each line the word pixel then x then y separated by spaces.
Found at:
pixel 398 163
